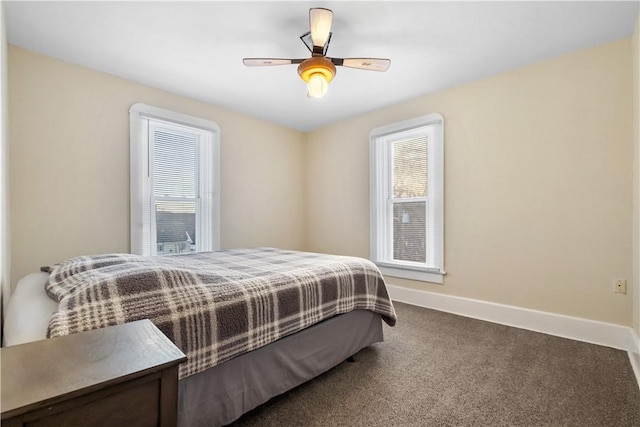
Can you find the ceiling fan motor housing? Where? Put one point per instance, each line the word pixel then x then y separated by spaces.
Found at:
pixel 317 65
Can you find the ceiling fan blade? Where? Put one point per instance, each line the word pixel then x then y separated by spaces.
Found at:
pixel 371 64
pixel 266 62
pixel 320 25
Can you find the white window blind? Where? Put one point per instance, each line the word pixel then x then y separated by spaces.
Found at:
pixel 174 182
pixel 407 198
pixel 408 201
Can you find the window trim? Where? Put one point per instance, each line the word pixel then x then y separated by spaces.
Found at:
pixel 140 169
pixel 378 139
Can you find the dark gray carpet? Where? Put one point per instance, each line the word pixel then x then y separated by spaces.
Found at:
pixel 439 369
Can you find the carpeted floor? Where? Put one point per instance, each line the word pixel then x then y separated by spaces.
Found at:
pixel 439 369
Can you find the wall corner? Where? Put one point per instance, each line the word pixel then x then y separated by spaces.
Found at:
pixel 5 282
pixel 635 43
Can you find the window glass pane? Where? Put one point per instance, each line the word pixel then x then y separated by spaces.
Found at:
pixel 410 167
pixel 176 162
pixel 410 231
pixel 175 227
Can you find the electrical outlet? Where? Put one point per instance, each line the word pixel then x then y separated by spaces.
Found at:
pixel 620 286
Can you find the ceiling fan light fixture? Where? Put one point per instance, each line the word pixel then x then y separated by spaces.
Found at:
pixel 317 72
pixel 317 86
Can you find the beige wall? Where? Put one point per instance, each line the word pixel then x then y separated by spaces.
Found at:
pixel 636 176
pixel 69 156
pixel 538 177
pixel 537 183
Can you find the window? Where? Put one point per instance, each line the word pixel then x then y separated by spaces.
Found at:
pixel 174 182
pixel 407 181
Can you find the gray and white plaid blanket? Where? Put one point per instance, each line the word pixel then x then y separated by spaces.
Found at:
pixel 214 305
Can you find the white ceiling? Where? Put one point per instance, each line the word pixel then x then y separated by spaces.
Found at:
pixel 195 49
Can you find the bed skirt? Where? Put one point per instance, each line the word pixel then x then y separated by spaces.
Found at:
pixel 220 395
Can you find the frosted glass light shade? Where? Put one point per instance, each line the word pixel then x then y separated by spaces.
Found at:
pixel 317 86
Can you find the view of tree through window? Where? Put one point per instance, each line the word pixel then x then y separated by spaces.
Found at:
pixel 409 168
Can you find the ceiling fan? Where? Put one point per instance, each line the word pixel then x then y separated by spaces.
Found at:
pixel 319 70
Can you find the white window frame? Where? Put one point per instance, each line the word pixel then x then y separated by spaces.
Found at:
pixel 381 201
pixel 141 173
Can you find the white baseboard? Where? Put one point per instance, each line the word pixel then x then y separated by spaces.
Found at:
pixel 634 355
pixel 591 331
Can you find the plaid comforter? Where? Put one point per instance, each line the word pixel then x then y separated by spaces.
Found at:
pixel 214 305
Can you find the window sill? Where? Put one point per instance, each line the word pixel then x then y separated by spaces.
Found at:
pixel 431 276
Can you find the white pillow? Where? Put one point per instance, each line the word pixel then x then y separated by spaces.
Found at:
pixel 28 311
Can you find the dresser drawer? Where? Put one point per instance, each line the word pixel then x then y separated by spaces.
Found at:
pixel 137 405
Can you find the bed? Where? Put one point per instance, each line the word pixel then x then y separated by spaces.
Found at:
pixel 300 314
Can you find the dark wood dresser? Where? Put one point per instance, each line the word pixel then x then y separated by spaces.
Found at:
pixel 125 375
